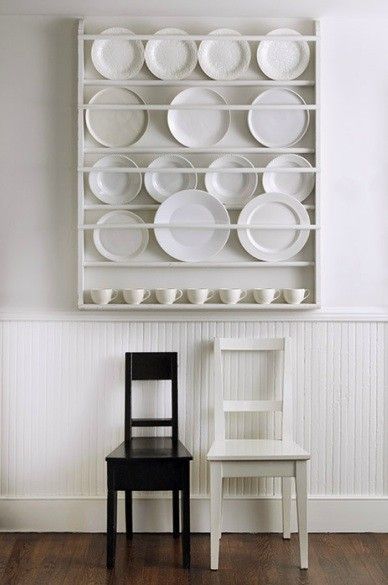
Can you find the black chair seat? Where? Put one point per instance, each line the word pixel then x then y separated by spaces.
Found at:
pixel 149 448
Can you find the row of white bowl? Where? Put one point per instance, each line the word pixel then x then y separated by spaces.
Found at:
pixel 230 188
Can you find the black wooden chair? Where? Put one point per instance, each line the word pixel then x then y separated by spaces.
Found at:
pixel 149 463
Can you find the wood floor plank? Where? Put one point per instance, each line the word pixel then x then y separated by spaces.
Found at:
pixel 156 559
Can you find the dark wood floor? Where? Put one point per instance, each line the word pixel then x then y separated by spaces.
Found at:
pixel 79 559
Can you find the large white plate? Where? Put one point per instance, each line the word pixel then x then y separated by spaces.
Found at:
pixel 222 58
pixel 190 244
pixel 116 128
pixel 278 128
pixel 231 187
pixel 120 245
pixel 198 128
pixel 298 185
pixel 171 59
pixel 273 209
pixel 283 59
pixel 117 58
pixel 162 185
pixel 115 188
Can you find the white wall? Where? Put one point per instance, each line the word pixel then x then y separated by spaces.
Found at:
pixel 61 377
pixel 37 100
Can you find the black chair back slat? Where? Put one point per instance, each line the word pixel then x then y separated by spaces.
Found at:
pixel 151 366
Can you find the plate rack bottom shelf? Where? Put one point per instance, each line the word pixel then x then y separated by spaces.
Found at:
pixel 204 307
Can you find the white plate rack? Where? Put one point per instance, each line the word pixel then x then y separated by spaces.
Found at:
pixel 233 267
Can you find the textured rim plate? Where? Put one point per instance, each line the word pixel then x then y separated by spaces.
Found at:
pixel 116 128
pixel 231 187
pixel 115 188
pixel 222 58
pixel 163 185
pixel 120 245
pixel 171 59
pixel 117 58
pixel 283 59
pixel 276 209
pixel 196 128
pixel 278 128
pixel 192 206
pixel 298 185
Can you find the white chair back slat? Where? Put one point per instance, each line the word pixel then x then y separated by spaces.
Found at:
pixel 253 405
pixel 282 402
pixel 232 344
pixel 219 417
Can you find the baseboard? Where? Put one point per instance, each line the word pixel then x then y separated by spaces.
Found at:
pixel 85 514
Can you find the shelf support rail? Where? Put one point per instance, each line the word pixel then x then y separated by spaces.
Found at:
pixel 193 225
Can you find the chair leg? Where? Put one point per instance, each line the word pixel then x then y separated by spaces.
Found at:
pixel 111 528
pixel 286 503
pixel 301 502
pixel 128 513
pixel 221 514
pixel 215 513
pixel 175 513
pixel 186 519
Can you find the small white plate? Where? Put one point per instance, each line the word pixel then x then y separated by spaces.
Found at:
pixel 231 188
pixel 120 245
pixel 192 244
pixel 115 188
pixel 171 59
pixel 162 185
pixel 196 128
pixel 222 58
pixel 283 59
pixel 116 128
pixel 278 128
pixel 273 209
pixel 298 185
pixel 117 58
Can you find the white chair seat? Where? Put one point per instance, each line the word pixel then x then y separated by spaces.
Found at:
pixel 255 450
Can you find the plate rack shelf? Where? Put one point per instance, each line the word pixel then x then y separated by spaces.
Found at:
pixel 232 267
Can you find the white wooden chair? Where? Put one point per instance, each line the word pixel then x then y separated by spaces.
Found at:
pixel 280 457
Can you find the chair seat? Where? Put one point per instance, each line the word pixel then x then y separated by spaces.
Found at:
pixel 255 450
pixel 147 448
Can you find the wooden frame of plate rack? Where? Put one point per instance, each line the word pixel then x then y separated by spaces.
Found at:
pixel 156 269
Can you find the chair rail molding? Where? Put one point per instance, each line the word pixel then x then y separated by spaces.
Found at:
pixel 325 314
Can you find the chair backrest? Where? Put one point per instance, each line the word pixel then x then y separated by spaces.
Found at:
pixel 151 366
pixel 282 383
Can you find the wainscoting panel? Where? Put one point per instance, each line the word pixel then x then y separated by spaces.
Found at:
pixel 62 401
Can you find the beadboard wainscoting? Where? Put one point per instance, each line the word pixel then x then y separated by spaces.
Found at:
pixel 62 403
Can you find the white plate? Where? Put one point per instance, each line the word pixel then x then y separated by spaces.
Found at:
pixel 231 187
pixel 120 245
pixel 224 59
pixel 278 128
pixel 198 128
pixel 171 59
pixel 283 59
pixel 298 185
pixel 190 244
pixel 276 209
pixel 116 128
pixel 117 58
pixel 115 188
pixel 162 185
